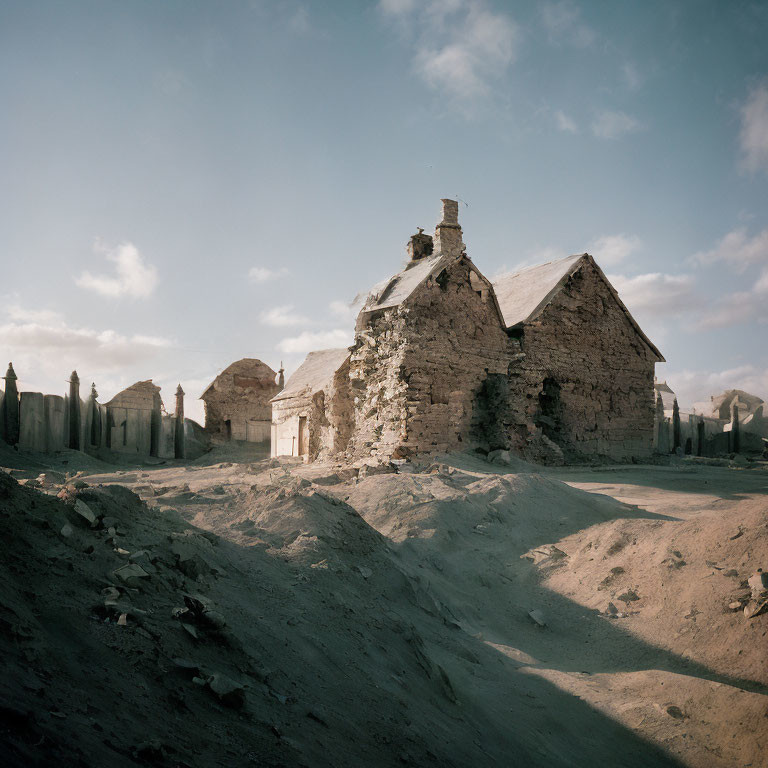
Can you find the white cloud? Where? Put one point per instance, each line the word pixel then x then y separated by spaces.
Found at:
pixel 564 24
pixel 282 317
pixel 609 250
pixel 753 136
pixel 565 123
pixel 738 249
pixel 25 315
pixel 736 308
pixel 740 252
pixel 264 275
pixel 133 276
pixel 612 125
pixel 309 341
pixel 461 47
pixel 656 293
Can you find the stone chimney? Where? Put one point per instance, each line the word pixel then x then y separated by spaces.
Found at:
pixel 419 246
pixel 447 241
pixel 281 377
pixel 179 448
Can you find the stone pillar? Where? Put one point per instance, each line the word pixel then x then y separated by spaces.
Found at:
pixel 662 431
pixel 735 429
pixel 10 416
pixel 94 416
pixel 75 418
pixel 447 240
pixel 676 441
pixel 178 436
pixel 281 377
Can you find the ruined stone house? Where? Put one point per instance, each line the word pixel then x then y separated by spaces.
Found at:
pixel 547 361
pixel 312 415
pixel 585 377
pixel 134 420
pixel 237 402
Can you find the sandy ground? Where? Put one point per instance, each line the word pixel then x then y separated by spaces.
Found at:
pixel 305 615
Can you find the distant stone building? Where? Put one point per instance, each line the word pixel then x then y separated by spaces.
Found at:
pixel 722 404
pixel 135 418
pixel 313 414
pixel 547 361
pixel 237 402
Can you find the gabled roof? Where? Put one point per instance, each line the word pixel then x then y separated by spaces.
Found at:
pixel 249 368
pixel 141 391
pixel 316 372
pixel 397 289
pixel 523 295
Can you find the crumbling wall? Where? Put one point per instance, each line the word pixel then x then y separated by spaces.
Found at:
pixel 420 372
pixel 586 378
pixel 237 407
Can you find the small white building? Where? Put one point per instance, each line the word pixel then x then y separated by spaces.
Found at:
pixel 308 416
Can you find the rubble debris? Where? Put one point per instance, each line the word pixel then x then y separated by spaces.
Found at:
pixel 85 512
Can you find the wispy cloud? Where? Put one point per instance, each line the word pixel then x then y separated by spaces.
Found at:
pixel 610 250
pixel 738 249
pixel 656 292
pixel 565 123
pixel 741 253
pixel 312 340
pixel 463 47
pixel 283 317
pixel 611 125
pixel 753 137
pixel 133 276
pixel 564 25
pixel 260 275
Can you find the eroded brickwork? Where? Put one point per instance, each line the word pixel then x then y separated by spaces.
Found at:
pixel 586 378
pixel 424 373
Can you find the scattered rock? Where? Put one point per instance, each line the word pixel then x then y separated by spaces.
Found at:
pixel 630 596
pixel 229 693
pixel 85 512
pixel 537 617
pixel 131 574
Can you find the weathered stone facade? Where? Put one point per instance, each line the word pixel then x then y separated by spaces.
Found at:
pixel 237 403
pixel 418 369
pixel 586 376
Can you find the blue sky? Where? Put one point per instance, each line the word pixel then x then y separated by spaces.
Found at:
pixel 189 183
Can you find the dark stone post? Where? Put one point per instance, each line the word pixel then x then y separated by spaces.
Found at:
pixel 676 441
pixel 281 377
pixel 735 430
pixel 93 408
pixel 11 425
pixel 74 411
pixel 178 434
